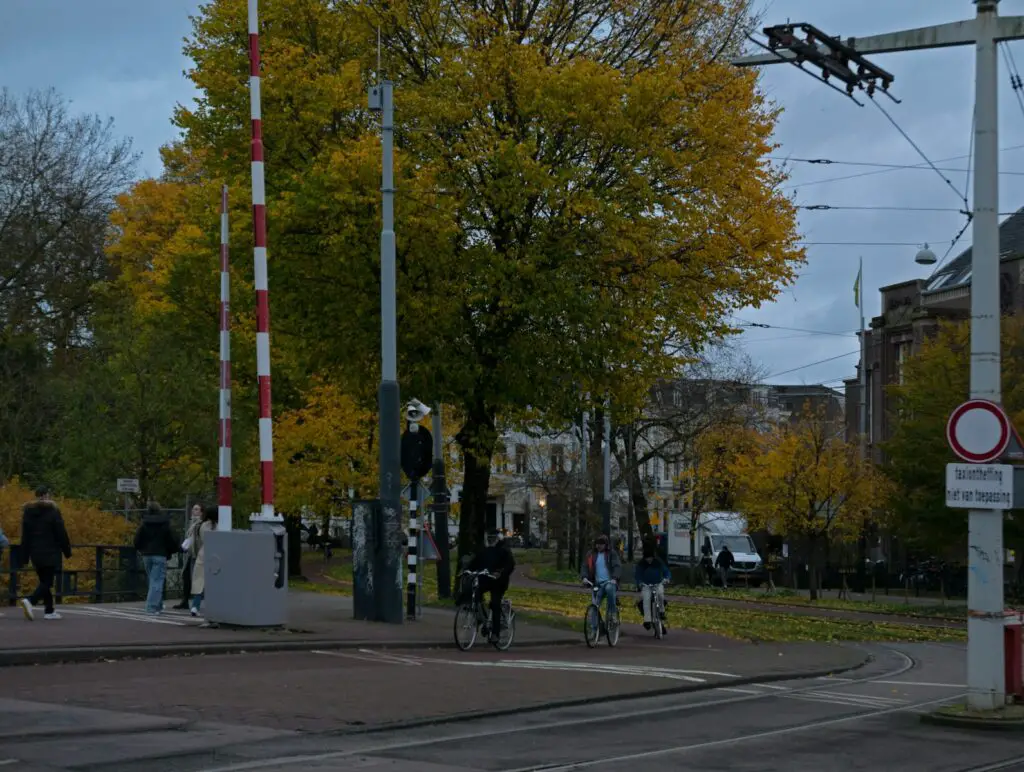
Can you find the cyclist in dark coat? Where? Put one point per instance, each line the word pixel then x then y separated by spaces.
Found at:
pixel 497 559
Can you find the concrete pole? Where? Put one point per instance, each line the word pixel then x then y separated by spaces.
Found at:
pixel 389 403
pixel 985 677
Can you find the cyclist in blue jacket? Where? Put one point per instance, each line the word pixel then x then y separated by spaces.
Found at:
pixel 650 570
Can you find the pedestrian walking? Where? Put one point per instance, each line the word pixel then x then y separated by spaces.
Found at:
pixel 724 563
pixel 43 540
pixel 188 559
pixel 198 549
pixel 156 541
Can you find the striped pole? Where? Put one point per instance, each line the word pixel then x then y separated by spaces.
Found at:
pixel 224 433
pixel 413 554
pixel 259 254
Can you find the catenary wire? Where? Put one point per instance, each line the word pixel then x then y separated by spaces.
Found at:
pixel 811 365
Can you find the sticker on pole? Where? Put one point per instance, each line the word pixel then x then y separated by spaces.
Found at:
pixel 979 431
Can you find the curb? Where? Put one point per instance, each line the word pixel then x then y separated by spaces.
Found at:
pixel 935 718
pixel 80 654
pixel 459 718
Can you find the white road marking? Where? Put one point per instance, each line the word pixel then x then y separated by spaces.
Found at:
pixel 855 695
pixel 833 678
pixel 122 615
pixel 922 683
pixel 5 762
pixel 773 686
pixel 852 700
pixel 346 655
pixel 737 691
pixel 401 660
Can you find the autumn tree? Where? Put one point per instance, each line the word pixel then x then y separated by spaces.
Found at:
pixel 805 480
pixel 59 174
pixel 326 449
pixel 574 190
pixel 708 397
pixel 934 381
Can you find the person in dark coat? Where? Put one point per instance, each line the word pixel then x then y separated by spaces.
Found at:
pixel 497 559
pixel 43 540
pixel 155 541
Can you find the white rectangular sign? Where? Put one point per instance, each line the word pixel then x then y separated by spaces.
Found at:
pixel 127 485
pixel 979 486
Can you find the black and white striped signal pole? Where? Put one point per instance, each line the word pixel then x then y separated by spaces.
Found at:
pixel 417 458
pixel 413 554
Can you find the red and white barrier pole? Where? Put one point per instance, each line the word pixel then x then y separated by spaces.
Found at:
pixel 224 426
pixel 259 219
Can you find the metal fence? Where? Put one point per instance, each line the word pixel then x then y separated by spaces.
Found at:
pixel 113 573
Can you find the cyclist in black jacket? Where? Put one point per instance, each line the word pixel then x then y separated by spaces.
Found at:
pixel 497 559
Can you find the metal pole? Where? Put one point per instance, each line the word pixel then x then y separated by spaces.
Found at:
pixel 259 254
pixel 412 559
pixel 440 506
pixel 606 497
pixel 224 424
pixel 985 677
pixel 629 492
pixel 863 366
pixel 389 404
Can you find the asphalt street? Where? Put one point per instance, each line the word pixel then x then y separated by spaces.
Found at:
pixel 864 720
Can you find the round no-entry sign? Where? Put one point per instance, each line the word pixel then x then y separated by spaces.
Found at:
pixel 978 431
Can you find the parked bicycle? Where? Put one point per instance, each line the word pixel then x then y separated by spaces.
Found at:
pixel 658 607
pixel 472 617
pixel 594 625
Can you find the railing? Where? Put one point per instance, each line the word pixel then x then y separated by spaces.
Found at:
pixel 97 573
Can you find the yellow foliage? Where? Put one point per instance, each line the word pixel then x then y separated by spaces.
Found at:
pixel 87 524
pixel 325 448
pixel 805 480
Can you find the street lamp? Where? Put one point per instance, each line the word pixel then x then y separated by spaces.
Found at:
pixel 925 256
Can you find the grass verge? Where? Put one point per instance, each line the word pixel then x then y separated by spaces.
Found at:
pixel 782 597
pixel 564 609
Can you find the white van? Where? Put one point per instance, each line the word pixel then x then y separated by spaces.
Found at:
pixel 723 529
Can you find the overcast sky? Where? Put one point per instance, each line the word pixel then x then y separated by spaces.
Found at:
pixel 122 58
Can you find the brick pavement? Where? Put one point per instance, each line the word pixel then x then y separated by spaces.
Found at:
pixel 344 690
pixel 91 631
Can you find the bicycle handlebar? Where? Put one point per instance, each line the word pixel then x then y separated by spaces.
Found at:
pixel 478 573
pixel 601 584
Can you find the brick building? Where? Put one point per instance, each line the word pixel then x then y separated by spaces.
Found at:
pixel 911 311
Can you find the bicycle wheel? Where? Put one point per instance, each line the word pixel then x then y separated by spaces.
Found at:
pixel 508 627
pixel 612 629
pixel 656 616
pixel 592 625
pixel 465 627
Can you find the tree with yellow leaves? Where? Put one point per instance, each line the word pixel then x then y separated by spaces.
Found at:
pixel 806 481
pixel 326 448
pixel 577 193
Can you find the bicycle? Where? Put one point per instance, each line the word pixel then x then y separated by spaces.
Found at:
pixel 473 617
pixel 658 606
pixel 594 626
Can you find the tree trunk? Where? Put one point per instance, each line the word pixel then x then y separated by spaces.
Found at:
pixel 812 565
pixel 476 440
pixel 643 517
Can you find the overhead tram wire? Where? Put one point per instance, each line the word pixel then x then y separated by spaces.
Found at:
pixel 764 326
pixel 886 168
pixel 811 365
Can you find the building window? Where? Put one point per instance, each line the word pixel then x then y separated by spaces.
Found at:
pixel 520 459
pixel 656 473
pixel 902 354
pixel 557 459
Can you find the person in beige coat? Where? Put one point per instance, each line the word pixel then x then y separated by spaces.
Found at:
pixel 197 551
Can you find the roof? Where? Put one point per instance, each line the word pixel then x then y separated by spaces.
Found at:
pixel 957 272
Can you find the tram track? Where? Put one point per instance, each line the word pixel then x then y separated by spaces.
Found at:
pixel 492 734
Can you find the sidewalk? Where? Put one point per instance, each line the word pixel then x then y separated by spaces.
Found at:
pixel 122 630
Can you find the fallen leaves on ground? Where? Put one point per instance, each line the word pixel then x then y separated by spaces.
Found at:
pixel 742 624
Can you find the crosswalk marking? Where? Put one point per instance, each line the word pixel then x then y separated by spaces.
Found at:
pixel 182 619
